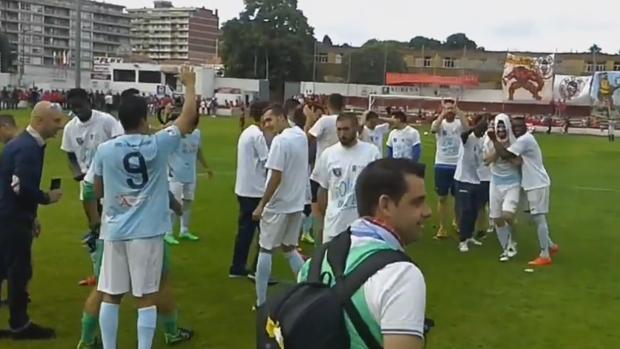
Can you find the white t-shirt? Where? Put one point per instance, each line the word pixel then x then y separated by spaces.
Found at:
pixel 289 154
pixel 83 138
pixel 336 170
pixel 324 130
pixel 484 172
pixel 375 136
pixel 533 171
pixel 252 154
pixel 396 296
pixel 448 142
pixel 469 161
pixel 403 141
pixel 503 173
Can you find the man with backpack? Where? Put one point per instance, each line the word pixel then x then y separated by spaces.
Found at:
pixel 361 290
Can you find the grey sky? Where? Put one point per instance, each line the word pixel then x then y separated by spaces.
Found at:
pixel 532 25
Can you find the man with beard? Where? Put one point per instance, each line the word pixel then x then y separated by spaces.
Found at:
pixel 536 183
pixel 505 185
pixel 336 172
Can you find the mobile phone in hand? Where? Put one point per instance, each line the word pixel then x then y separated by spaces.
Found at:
pixel 55 183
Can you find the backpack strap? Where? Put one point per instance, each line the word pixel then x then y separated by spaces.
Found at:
pixel 316 264
pixel 337 253
pixel 354 281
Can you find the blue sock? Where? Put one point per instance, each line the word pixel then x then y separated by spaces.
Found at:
pixel 263 272
pixel 108 322
pixel 295 261
pixel 147 322
pixel 307 225
pixel 503 235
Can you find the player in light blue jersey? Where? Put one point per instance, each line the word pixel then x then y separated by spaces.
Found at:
pixel 131 172
pixel 182 173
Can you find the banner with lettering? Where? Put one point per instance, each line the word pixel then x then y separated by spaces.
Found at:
pixel 528 78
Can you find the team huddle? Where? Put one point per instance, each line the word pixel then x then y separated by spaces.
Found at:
pixel 297 171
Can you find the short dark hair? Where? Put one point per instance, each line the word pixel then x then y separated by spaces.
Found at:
pixel 77 93
pixel 7 120
pixel 299 118
pixel 131 111
pixel 257 109
pixel 400 115
pixel 371 115
pixel 129 92
pixel 384 177
pixel 275 109
pixel 348 116
pixel 290 105
pixel 336 101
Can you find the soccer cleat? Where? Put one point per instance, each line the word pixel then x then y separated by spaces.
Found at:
pixel 188 236
pixel 171 240
pixel 307 238
pixel 512 249
pixel 540 262
pixel 463 247
pixel 183 335
pixel 554 250
pixel 504 257
pixel 89 281
pixel 474 242
pixel 94 345
pixel 34 332
pixel 441 234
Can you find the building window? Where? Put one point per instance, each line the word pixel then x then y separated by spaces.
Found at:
pixel 124 75
pixel 150 77
pixel 617 66
pixel 599 67
pixel 339 58
pixel 448 62
pixel 321 58
pixel 428 61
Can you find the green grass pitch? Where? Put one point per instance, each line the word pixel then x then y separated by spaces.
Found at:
pixel 476 301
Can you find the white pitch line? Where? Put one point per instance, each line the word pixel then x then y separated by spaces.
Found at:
pixel 606 190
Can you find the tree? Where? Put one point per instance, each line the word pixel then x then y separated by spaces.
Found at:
pixel 421 41
pixel 369 63
pixel 327 41
pixel 595 49
pixel 270 38
pixel 459 41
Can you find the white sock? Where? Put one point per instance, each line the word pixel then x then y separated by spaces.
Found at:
pixel 263 273
pixel 147 322
pixel 173 220
pixel 503 235
pixel 187 211
pixel 543 234
pixel 295 261
pixel 108 323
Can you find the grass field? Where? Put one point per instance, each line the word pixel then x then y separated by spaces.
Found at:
pixel 476 301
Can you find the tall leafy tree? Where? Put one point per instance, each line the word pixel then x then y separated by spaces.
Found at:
pixel 421 41
pixel 270 38
pixel 374 59
pixel 459 41
pixel 595 49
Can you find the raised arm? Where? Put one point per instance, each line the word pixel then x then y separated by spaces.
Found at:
pixel 186 122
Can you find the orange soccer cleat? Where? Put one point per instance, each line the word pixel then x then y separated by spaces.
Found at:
pixel 541 262
pixel 554 250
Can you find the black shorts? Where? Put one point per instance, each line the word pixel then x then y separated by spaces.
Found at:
pixel 314 189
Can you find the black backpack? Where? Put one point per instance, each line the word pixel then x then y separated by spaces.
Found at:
pixel 311 314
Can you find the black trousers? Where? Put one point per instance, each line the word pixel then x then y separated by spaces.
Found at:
pixel 467 204
pixel 16 268
pixel 245 234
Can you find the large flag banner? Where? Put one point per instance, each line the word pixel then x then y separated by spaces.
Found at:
pixel 572 90
pixel 606 95
pixel 528 79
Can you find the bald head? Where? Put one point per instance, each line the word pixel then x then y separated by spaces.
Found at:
pixel 47 118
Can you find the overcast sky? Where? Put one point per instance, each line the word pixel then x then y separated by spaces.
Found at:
pixel 534 25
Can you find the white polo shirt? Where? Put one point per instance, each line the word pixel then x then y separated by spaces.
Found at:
pixel 324 130
pixel 533 172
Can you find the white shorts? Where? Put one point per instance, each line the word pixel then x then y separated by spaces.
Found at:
pixel 132 265
pixel 538 200
pixel 503 199
pixel 183 191
pixel 277 229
